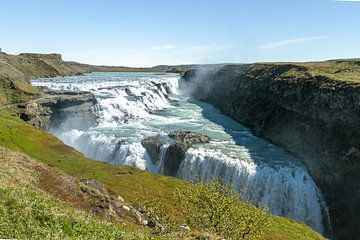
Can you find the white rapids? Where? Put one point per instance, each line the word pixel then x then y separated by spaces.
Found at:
pixel 132 106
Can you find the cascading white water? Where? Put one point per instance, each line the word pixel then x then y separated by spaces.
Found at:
pixel 133 106
pixel 161 160
pixel 105 148
pixel 286 191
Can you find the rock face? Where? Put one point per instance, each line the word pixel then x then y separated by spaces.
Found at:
pixel 190 74
pixel 51 110
pixel 152 146
pixel 315 117
pixel 52 56
pixel 181 141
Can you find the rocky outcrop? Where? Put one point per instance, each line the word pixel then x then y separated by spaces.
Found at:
pixel 152 146
pixel 50 56
pixel 107 205
pixel 190 74
pixel 314 116
pixel 186 139
pixel 55 107
pixel 179 143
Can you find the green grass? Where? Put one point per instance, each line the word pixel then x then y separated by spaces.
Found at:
pixel 342 71
pixel 132 184
pixel 16 91
pixel 345 71
pixel 27 212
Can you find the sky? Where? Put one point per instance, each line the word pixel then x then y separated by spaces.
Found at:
pixel 153 32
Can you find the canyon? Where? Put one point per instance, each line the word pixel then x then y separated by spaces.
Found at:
pixel 310 109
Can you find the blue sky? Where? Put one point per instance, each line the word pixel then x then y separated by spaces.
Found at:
pixel 151 32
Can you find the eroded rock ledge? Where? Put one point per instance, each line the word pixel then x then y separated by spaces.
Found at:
pixel 56 106
pixel 180 142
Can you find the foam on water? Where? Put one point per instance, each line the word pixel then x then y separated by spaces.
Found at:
pixel 132 106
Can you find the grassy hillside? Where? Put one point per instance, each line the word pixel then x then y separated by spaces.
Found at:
pixel 134 185
pixel 28 212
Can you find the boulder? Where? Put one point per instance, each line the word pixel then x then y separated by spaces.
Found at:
pixel 181 142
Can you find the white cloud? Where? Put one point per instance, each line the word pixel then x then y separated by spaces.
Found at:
pixel 288 42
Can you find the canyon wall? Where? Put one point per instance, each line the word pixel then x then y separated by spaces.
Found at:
pixel 312 110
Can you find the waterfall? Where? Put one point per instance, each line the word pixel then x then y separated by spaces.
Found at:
pixel 162 156
pixel 130 103
pixel 103 148
pixel 286 191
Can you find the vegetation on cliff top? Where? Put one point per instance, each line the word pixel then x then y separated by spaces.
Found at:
pixel 341 71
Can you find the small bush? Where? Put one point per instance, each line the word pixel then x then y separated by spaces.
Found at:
pixel 212 207
pixel 215 207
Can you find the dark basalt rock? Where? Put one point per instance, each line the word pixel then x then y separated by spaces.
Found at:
pixel 152 146
pixel 181 142
pixel 176 152
pixel 129 92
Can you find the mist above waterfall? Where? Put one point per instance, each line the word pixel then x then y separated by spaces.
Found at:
pixel 198 79
pixel 133 106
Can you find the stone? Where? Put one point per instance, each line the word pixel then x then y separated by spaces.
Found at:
pixel 184 227
pixel 120 199
pixel 126 208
